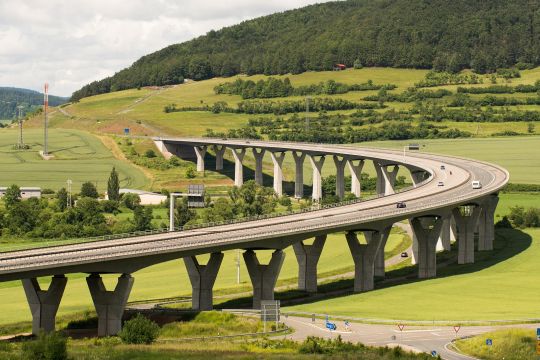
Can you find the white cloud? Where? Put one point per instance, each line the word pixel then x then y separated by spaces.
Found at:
pixel 71 43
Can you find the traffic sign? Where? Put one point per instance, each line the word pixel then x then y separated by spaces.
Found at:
pixel 401 326
pixel 489 342
pixel 434 353
pixel 126 131
pixel 537 333
pixel 456 328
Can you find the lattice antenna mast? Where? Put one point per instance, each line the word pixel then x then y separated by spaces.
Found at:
pixel 45 108
pixel 21 141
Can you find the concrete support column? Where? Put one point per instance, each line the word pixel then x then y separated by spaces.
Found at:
pixel 466 218
pixel 444 240
pixel 258 155
pixel 238 155
pixel 220 151
pixel 308 257
pixel 427 231
pixel 317 180
pixel 364 257
pixel 356 176
pixel 44 303
pixel 263 277
pixel 277 159
pixel 202 278
pixel 380 269
pixel 417 176
pixel 200 151
pixel 299 180
pixel 386 178
pixel 340 176
pixel 109 304
pixel 486 224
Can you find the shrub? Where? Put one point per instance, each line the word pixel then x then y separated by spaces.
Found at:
pixel 150 153
pixel 190 173
pixel 131 201
pixel 139 330
pixel 51 346
pixel 109 206
pixel 89 190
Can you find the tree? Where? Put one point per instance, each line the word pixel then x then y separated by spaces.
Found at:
pixel 530 128
pixel 12 196
pixel 131 201
pixel 62 199
pixel 252 199
pixel 183 214
pixel 150 153
pixel 357 64
pixel 113 186
pixel 142 218
pixel 88 189
pixel 139 330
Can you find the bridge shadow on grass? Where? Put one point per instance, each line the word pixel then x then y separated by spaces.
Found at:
pixel 508 243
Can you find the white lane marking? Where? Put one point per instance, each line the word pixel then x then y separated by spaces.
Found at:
pixel 415 331
pixel 435 334
pixel 446 347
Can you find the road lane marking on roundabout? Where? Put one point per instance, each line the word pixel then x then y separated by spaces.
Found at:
pixel 417 331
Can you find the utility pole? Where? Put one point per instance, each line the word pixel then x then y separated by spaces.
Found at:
pixel 307 112
pixel 238 266
pixel 69 201
pixel 20 145
pixel 45 108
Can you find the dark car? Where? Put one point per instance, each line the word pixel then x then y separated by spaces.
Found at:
pixel 401 205
pixel 404 255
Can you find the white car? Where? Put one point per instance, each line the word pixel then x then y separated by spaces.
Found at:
pixel 440 183
pixel 476 184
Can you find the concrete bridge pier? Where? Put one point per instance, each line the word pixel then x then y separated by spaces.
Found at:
pixel 258 155
pixel 466 218
pixel 427 230
pixel 308 257
pixel 220 151
pixel 356 176
pixel 417 176
pixel 317 180
pixel 109 304
pixel 340 176
pixel 486 223
pixel 263 277
pixel 444 240
pixel 200 151
pixel 299 180
pixel 202 278
pixel 238 155
pixel 380 270
pixel 44 303
pixel 364 257
pixel 277 159
pixel 386 178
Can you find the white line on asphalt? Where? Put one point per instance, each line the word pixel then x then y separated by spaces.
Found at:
pixel 413 331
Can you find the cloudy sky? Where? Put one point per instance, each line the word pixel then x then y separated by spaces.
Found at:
pixel 70 43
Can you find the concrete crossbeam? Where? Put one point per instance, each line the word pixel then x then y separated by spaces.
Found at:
pixel 466 218
pixel 219 151
pixel 427 231
pixel 486 223
pixel 356 176
pixel 317 180
pixel 277 159
pixel 258 154
pixel 308 257
pixel 299 179
pixel 200 151
pixel 109 305
pixel 263 277
pixel 44 303
pixel 202 278
pixel 238 155
pixel 340 176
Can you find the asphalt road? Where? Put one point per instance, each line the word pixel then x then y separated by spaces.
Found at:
pixel 415 338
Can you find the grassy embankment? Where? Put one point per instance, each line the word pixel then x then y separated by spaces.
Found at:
pixel 508 344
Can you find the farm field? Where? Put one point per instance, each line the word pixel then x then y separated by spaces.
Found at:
pixel 78 156
pixel 170 279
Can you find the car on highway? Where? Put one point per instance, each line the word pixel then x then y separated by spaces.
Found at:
pixel 440 183
pixel 443 167
pixel 476 184
pixel 401 205
pixel 404 254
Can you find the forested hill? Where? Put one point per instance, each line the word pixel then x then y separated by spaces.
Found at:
pixel 11 97
pixel 444 34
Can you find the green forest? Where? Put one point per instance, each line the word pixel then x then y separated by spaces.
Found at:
pixel 440 34
pixel 31 100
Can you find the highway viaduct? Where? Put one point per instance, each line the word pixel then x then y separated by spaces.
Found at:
pixel 433 211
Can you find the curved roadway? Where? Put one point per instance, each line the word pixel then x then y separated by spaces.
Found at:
pixel 130 254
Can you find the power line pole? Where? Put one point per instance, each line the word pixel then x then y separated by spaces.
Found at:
pixel 307 112
pixel 69 201
pixel 20 145
pixel 45 108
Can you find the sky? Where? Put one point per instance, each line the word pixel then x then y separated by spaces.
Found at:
pixel 70 43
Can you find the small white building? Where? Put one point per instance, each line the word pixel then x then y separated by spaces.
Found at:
pixel 26 192
pixel 147 198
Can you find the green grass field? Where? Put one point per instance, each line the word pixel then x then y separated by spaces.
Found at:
pixel 78 156
pixel 508 344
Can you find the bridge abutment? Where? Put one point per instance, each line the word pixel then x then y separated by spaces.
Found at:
pixel 44 303
pixel 109 305
pixel 427 231
pixel 258 155
pixel 299 179
pixel 308 258
pixel 263 277
pixel 202 278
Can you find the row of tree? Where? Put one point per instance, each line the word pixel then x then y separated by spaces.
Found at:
pixel 501 89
